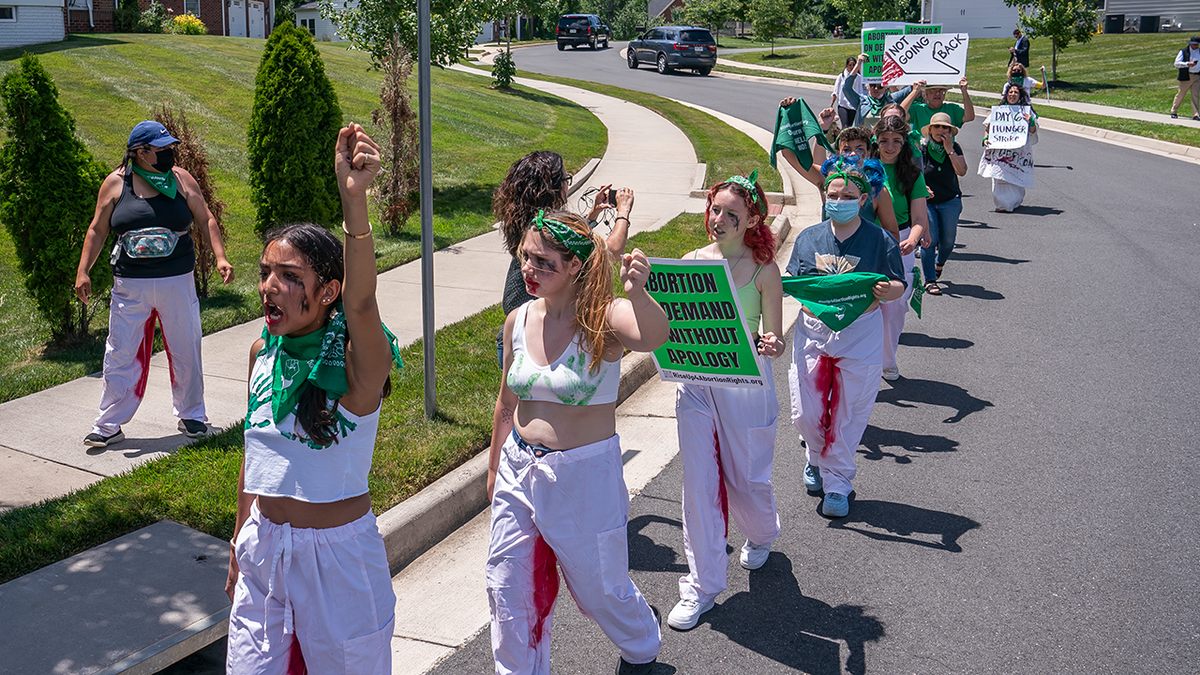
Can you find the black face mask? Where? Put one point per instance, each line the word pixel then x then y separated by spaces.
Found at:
pixel 164 160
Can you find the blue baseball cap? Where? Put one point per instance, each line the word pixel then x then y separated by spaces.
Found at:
pixel 150 133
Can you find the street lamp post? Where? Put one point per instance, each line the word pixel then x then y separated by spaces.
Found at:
pixel 426 132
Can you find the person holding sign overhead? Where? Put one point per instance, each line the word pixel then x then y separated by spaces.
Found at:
pixel 933 100
pixel 1009 165
pixel 554 470
pixel 870 107
pixel 835 369
pixel 727 434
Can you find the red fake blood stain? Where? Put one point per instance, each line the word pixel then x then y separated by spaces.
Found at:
pixel 145 350
pixel 891 69
pixel 296 665
pixel 545 586
pixel 831 393
pixel 721 493
pixel 170 357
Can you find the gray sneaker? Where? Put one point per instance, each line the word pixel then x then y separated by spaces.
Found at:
pixel 99 441
pixel 193 428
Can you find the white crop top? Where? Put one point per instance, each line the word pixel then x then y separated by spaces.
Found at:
pixel 568 380
pixel 280 463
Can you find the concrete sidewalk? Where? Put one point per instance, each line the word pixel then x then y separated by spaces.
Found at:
pixel 43 456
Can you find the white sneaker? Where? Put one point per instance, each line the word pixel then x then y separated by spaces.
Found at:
pixel 891 374
pixel 754 557
pixel 686 614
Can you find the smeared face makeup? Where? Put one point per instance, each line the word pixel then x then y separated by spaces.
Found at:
pixel 295 302
pixel 890 144
pixel 543 268
pixel 728 217
pixel 857 148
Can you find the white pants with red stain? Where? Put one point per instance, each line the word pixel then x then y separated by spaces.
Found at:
pixel 136 305
pixel 894 311
pixel 572 507
pixel 328 590
pixel 727 444
pixel 834 379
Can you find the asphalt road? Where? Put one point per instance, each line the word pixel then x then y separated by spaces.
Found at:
pixel 1026 497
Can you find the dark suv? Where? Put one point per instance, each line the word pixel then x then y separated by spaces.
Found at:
pixel 671 47
pixel 582 29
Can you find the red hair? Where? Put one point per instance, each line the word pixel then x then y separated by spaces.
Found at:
pixel 759 236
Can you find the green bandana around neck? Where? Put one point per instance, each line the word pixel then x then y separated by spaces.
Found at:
pixel 837 300
pixel 319 358
pixel 580 245
pixel 750 183
pixel 877 105
pixel 163 182
pixel 936 150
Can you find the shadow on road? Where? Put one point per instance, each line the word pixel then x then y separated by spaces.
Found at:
pixel 876 439
pixel 907 393
pixel 901 523
pixel 920 340
pixel 968 291
pixel 1037 211
pixel 648 556
pixel 985 257
pixel 974 224
pixel 775 619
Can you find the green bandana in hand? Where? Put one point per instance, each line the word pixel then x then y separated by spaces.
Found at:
pixel 918 291
pixel 795 126
pixel 580 245
pixel 836 299
pixel 751 184
pixel 163 182
pixel 319 358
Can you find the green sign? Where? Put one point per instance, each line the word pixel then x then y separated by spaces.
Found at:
pixel 708 343
pixel 873 35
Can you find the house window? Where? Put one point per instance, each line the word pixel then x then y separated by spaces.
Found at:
pixel 310 24
pixel 192 6
pixel 8 13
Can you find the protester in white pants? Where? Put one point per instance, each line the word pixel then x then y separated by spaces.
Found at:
pixel 834 375
pixel 308 571
pixel 907 187
pixel 150 204
pixel 554 471
pixel 727 434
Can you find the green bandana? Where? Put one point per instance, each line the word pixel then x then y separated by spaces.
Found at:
pixel 857 180
pixel 936 150
pixel 580 245
pixel 877 105
pixel 918 291
pixel 163 182
pixel 750 184
pixel 836 299
pixel 319 358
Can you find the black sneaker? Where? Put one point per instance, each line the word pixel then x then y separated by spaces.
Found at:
pixel 1174 116
pixel 626 668
pixel 193 428
pixel 98 441
pixel 1196 117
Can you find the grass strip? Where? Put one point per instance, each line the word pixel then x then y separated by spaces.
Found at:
pixel 109 82
pixel 197 484
pixel 795 77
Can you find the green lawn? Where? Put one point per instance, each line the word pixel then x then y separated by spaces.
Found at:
pixel 197 484
pixel 111 82
pixel 751 41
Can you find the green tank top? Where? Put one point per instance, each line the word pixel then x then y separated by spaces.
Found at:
pixel 751 301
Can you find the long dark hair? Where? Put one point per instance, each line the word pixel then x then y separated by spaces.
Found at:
pixel 1023 99
pixel 906 168
pixel 323 252
pixel 533 183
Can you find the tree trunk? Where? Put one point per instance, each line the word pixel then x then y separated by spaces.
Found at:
pixel 1054 59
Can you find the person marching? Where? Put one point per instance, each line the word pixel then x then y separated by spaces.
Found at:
pixel 870 107
pixel 944 163
pixel 907 187
pixel 1188 63
pixel 727 434
pixel 927 100
pixel 1011 177
pixel 1018 76
pixel 834 375
pixel 554 471
pixel 149 204
pixel 308 573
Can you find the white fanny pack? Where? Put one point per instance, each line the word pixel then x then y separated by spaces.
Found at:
pixel 148 242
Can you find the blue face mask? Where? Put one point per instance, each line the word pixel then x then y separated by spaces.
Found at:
pixel 842 210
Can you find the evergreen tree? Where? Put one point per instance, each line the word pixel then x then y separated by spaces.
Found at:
pixel 292 134
pixel 48 187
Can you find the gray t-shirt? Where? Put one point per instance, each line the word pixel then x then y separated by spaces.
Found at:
pixel 869 249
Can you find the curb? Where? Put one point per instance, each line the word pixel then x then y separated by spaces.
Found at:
pixel 416 524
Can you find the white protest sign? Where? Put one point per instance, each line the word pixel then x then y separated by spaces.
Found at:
pixel 1007 127
pixel 937 59
pixel 1010 166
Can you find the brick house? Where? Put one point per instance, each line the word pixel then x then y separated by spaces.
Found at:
pixel 235 18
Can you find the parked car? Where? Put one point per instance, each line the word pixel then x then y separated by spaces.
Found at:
pixel 581 29
pixel 671 47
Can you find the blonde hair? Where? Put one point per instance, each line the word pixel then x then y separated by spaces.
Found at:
pixel 593 285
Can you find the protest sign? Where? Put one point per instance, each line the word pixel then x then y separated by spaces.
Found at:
pixel 937 59
pixel 1010 166
pixel 835 299
pixel 873 35
pixel 1007 127
pixel 794 125
pixel 708 342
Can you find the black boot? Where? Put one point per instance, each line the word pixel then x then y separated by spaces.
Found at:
pixel 626 668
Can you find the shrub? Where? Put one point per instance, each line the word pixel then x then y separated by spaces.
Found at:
pixel 397 194
pixel 188 24
pixel 292 134
pixel 504 69
pixel 809 25
pixel 153 20
pixel 125 19
pixel 48 187
pixel 191 156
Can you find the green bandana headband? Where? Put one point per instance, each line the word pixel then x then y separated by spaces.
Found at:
pixel 751 184
pixel 580 245
pixel 163 182
pixel 319 358
pixel 857 180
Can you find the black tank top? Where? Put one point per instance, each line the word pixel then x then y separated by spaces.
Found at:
pixel 135 213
